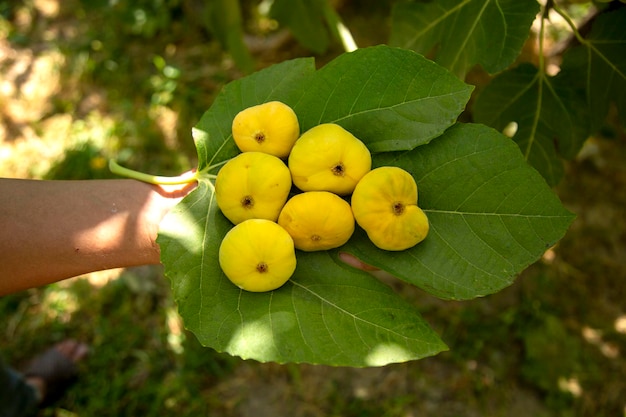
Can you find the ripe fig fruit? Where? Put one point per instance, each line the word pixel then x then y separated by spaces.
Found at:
pixel 252 185
pixel 384 204
pixel 270 127
pixel 257 255
pixel 328 158
pixel 317 220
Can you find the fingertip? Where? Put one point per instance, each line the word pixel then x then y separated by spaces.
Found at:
pixel 356 262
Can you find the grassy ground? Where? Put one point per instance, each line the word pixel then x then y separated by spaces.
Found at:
pixel 76 90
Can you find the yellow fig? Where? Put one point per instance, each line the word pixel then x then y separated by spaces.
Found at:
pixel 252 185
pixel 328 158
pixel 257 255
pixel 270 127
pixel 384 204
pixel 317 220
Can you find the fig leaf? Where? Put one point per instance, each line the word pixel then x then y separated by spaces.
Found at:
pixel 491 216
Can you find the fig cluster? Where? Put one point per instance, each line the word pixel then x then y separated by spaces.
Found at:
pixel 288 191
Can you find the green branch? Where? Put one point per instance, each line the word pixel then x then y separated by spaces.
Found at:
pixel 588 43
pixel 570 23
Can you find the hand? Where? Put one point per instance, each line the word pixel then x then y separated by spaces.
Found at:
pixel 52 230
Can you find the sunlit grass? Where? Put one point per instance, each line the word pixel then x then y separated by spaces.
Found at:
pixel 39 151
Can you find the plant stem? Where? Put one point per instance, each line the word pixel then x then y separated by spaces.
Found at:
pixel 570 22
pixel 211 167
pixel 540 53
pixel 185 178
pixel 541 75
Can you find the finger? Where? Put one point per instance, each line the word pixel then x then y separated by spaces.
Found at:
pixel 176 191
pixel 356 262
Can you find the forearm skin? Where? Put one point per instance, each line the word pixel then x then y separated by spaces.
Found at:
pixel 53 230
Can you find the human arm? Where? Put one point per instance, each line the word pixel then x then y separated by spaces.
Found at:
pixel 53 230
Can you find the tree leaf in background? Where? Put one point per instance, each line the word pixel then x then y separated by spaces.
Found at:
pixel 225 21
pixel 491 215
pixel 598 66
pixel 463 33
pixel 390 98
pixel 305 19
pixel 551 119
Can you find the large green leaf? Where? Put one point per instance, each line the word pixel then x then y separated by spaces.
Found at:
pixel 326 313
pixel 390 98
pixel 598 66
pixel 463 33
pixel 551 120
pixel 474 184
pixel 491 215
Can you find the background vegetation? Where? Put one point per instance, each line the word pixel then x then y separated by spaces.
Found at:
pixel 84 81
